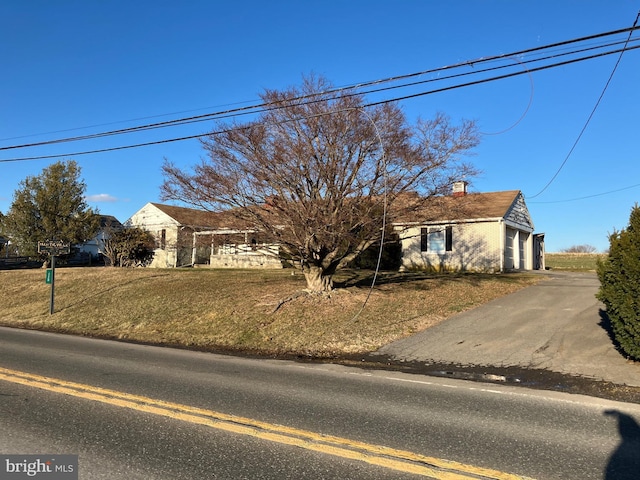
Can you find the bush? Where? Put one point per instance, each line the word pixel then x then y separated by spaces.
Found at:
pixel 129 247
pixel 619 275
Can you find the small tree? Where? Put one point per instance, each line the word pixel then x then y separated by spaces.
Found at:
pixel 129 247
pixel 318 172
pixel 50 206
pixel 619 276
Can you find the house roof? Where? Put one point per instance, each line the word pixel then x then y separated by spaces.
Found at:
pixel 109 221
pixel 411 209
pixel 200 218
pixel 472 206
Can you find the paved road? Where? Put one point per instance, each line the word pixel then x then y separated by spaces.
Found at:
pixel 554 325
pixel 542 435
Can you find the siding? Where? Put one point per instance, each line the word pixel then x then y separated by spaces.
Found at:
pixel 476 246
pixel 175 239
pixel 155 221
pixel 518 215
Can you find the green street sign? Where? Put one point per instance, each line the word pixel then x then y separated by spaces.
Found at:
pixel 49 276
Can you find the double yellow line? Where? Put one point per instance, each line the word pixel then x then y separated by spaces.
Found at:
pixel 400 460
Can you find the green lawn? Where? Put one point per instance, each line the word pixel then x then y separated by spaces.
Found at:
pixel 573 261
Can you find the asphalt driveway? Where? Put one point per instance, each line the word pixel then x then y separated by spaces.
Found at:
pixel 554 325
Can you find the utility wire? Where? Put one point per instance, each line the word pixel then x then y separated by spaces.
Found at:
pixel 526 110
pixel 284 102
pixel 593 111
pixel 148 117
pixel 385 205
pixel 308 99
pixel 590 196
pixel 502 77
pixel 251 108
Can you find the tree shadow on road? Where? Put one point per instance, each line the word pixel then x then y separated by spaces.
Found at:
pixel 624 463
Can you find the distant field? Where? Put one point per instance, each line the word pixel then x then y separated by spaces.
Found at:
pixel 573 261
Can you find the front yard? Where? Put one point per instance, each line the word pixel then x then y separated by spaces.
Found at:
pixel 237 310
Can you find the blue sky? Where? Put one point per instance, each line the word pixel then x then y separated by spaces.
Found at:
pixel 75 67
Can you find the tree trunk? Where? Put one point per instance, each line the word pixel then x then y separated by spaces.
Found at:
pixel 318 280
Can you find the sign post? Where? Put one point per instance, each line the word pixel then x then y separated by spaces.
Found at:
pixel 53 283
pixel 53 248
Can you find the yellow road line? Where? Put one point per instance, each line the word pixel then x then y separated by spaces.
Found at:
pixel 391 458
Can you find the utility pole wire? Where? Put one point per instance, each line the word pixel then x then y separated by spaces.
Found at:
pixel 395 99
pixel 255 108
pixel 590 196
pixel 593 111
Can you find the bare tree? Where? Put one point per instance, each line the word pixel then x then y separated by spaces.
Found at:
pixel 128 247
pixel 319 171
pixel 586 248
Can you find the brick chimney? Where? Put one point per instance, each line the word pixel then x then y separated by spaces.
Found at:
pixel 459 189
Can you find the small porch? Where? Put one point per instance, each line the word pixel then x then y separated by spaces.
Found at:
pixel 228 248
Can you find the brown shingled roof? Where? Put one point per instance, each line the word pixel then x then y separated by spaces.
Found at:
pixel 472 206
pixel 201 218
pixel 411 208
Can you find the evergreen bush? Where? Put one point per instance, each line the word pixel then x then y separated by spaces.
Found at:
pixel 619 275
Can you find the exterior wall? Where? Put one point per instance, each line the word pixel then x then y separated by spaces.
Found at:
pixel 155 221
pixel 475 247
pixel 166 253
pixel 488 246
pixel 519 245
pixel 246 256
pixel 95 246
pixel 175 245
pixel 244 261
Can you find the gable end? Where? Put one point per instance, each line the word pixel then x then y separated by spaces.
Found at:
pixel 518 213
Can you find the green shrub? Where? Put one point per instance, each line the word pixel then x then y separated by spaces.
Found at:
pixel 619 275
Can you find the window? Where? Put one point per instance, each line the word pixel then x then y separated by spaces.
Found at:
pixel 163 239
pixel 436 239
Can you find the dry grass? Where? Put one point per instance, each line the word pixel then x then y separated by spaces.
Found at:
pixel 234 309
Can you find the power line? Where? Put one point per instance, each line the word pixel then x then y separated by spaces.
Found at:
pixel 255 108
pixel 119 121
pixel 593 111
pixel 395 99
pixel 502 77
pixel 526 110
pixel 588 196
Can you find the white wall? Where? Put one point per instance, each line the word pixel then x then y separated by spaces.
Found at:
pixel 476 246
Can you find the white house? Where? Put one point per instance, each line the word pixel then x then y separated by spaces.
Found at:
pixel 485 232
pixel 189 237
pixel 95 246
